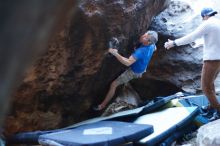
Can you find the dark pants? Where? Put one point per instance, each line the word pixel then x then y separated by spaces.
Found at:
pixel 210 71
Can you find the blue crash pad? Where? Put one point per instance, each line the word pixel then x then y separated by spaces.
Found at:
pixel 165 123
pixel 103 133
pixel 124 116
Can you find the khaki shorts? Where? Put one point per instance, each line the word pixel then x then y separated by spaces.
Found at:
pixel 127 76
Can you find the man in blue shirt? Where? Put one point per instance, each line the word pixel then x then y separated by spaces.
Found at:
pixel 137 63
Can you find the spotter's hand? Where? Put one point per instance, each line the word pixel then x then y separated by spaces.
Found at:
pixel 169 44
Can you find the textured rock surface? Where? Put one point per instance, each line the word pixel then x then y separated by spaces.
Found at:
pixel 127 99
pixel 208 135
pixel 75 72
pixel 180 66
pixel 23 38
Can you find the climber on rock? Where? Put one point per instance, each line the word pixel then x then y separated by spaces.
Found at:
pixel 137 64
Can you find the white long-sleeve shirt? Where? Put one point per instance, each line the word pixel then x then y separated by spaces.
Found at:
pixel 210 31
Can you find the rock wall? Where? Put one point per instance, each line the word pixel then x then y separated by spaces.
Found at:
pixel 75 72
pixel 180 66
pixel 208 135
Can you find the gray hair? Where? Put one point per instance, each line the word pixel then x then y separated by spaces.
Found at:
pixel 153 36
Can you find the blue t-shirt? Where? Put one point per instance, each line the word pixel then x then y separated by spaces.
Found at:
pixel 142 55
